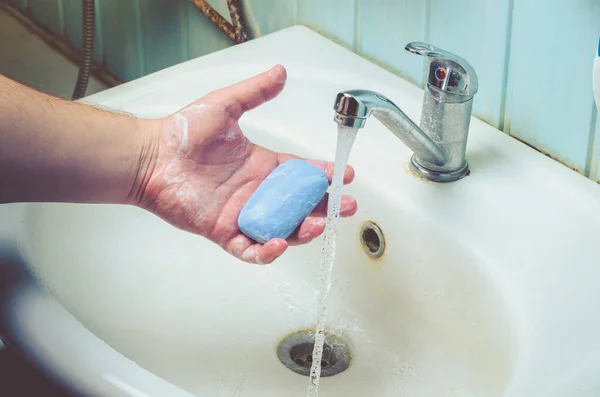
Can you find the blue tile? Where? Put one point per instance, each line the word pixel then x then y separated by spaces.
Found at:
pixel 533 58
pixel 203 36
pixel 332 18
pixel 47 12
pixel 73 19
pixel 121 38
pixel 385 27
pixel 478 31
pixel 549 99
pixel 164 23
pixel 268 16
pixel 99 37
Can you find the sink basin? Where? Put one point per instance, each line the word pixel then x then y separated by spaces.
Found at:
pixel 486 286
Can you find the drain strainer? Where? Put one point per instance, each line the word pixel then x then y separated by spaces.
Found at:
pixel 295 352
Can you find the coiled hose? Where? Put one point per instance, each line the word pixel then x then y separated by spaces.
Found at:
pixel 83 77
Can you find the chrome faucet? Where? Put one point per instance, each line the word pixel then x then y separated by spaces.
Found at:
pixel 439 144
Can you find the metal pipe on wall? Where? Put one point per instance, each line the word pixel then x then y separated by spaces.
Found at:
pixel 236 31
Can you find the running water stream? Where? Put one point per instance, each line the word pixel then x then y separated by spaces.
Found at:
pixel 346 137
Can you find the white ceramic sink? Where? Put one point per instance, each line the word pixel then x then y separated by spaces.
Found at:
pixel 488 286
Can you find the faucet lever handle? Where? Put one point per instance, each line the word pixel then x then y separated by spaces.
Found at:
pixel 446 71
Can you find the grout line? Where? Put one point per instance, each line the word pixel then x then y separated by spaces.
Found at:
pixel 591 141
pixel 61 16
pixel 188 28
pixel 140 38
pixel 426 35
pixel 185 33
pixel 427 20
pixel 357 28
pixel 99 39
pixel 507 49
pixel 252 25
pixel 295 12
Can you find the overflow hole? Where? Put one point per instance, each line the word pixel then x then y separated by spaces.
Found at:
pixel 372 240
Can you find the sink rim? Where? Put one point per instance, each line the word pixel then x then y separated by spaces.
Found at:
pixel 31 320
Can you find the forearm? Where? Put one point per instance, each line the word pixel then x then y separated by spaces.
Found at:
pixel 59 151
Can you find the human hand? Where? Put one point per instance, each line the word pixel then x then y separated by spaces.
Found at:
pixel 203 169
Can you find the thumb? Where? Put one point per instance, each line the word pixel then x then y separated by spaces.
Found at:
pixel 250 93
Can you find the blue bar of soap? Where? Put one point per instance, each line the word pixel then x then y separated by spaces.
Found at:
pixel 283 201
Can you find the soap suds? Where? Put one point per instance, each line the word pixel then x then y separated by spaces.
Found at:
pixel 238 248
pixel 185 193
pixel 199 109
pixel 317 222
pixel 181 121
pixel 304 235
pixel 182 126
pixel 240 149
pixel 251 255
pixel 172 174
pixel 229 135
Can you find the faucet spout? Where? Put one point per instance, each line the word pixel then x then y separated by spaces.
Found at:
pixel 439 142
pixel 353 107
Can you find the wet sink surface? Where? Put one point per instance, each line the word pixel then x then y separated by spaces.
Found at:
pixel 418 319
pixel 483 289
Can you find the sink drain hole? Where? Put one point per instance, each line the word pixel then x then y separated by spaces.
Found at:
pixel 295 352
pixel 372 240
pixel 302 355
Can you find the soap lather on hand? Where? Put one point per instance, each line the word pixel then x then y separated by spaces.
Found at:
pixel 283 201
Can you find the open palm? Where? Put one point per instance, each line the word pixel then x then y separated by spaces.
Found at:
pixel 205 170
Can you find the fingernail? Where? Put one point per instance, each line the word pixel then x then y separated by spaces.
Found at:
pixel 280 78
pixel 346 204
pixel 304 235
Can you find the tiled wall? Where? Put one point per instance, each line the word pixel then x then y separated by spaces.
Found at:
pixel 533 57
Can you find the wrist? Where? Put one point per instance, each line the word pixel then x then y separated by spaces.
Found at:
pixel 148 135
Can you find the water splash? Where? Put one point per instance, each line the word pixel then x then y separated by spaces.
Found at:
pixel 346 137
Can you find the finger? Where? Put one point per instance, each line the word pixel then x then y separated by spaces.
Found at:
pixel 324 165
pixel 329 167
pixel 348 206
pixel 266 253
pixel 249 251
pixel 250 93
pixel 310 229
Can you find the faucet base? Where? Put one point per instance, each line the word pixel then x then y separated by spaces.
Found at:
pixel 437 176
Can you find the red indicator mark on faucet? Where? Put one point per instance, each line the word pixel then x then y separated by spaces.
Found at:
pixel 440 74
